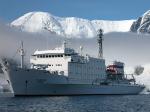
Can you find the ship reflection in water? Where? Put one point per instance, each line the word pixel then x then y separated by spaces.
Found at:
pixel 95 103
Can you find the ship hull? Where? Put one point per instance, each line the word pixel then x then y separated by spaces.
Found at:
pixel 38 82
pixel 79 89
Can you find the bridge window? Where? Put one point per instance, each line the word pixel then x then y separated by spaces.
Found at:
pixel 49 56
pixel 43 56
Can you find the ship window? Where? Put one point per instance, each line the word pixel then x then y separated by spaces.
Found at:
pixel 49 56
pixel 46 56
pixel 58 64
pixel 52 55
pixel 55 55
pixel 40 56
pixel 43 56
pixel 67 54
pixel 60 55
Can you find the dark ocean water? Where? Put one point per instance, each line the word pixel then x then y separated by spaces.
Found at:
pixel 96 103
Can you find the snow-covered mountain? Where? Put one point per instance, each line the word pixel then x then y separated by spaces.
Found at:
pixel 41 22
pixel 142 24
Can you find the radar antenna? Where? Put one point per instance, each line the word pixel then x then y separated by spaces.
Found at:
pixel 100 43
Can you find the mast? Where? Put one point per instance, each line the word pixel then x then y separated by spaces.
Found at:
pixel 100 43
pixel 22 55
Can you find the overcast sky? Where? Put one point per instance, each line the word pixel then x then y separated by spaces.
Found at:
pixel 88 9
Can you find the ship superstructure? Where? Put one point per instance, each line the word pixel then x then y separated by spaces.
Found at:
pixel 65 61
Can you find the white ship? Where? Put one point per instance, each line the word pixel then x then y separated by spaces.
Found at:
pixel 62 71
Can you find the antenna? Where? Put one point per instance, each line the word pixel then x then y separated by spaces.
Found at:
pixel 100 43
pixel 22 54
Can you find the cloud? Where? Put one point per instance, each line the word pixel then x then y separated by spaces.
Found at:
pixel 131 48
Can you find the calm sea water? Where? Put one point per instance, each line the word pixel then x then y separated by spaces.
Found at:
pixel 96 103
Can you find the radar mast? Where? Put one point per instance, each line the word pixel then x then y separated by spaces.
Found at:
pixel 100 43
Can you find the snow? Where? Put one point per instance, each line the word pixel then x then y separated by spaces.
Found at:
pixel 39 22
pixel 145 17
pixel 142 24
pixel 113 26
